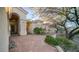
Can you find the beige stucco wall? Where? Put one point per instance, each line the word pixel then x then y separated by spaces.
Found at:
pixel 22 20
pixel 4 27
pixel 22 27
pixel 4 34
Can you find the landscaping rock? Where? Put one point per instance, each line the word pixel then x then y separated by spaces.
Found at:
pixel 12 44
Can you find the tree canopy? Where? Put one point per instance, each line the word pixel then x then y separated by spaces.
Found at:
pixel 67 17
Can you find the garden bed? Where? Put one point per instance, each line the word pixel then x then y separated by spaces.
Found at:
pixel 62 44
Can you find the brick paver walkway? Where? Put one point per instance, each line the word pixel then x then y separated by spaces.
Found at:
pixel 31 43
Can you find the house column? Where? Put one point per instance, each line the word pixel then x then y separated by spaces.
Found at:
pixel 4 33
pixel 22 26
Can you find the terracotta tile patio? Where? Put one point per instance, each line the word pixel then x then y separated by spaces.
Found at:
pixel 31 43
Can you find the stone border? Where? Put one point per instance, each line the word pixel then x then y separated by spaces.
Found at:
pixel 59 49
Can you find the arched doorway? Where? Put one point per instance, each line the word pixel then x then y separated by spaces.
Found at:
pixel 14 23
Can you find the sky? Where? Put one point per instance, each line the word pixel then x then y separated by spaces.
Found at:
pixel 31 15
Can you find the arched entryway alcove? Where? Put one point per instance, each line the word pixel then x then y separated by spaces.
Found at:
pixel 28 27
pixel 14 23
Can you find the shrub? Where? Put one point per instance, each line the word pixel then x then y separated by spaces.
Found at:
pixel 38 30
pixel 62 40
pixel 65 43
pixel 51 40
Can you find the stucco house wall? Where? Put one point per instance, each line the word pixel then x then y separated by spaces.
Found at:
pixel 22 20
pixel 22 25
pixel 4 34
pixel 4 26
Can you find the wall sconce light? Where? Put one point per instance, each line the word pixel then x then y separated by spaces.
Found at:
pixel 8 11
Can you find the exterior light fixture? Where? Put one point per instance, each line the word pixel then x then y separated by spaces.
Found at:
pixel 8 11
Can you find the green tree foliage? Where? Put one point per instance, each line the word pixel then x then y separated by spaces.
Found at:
pixel 59 16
